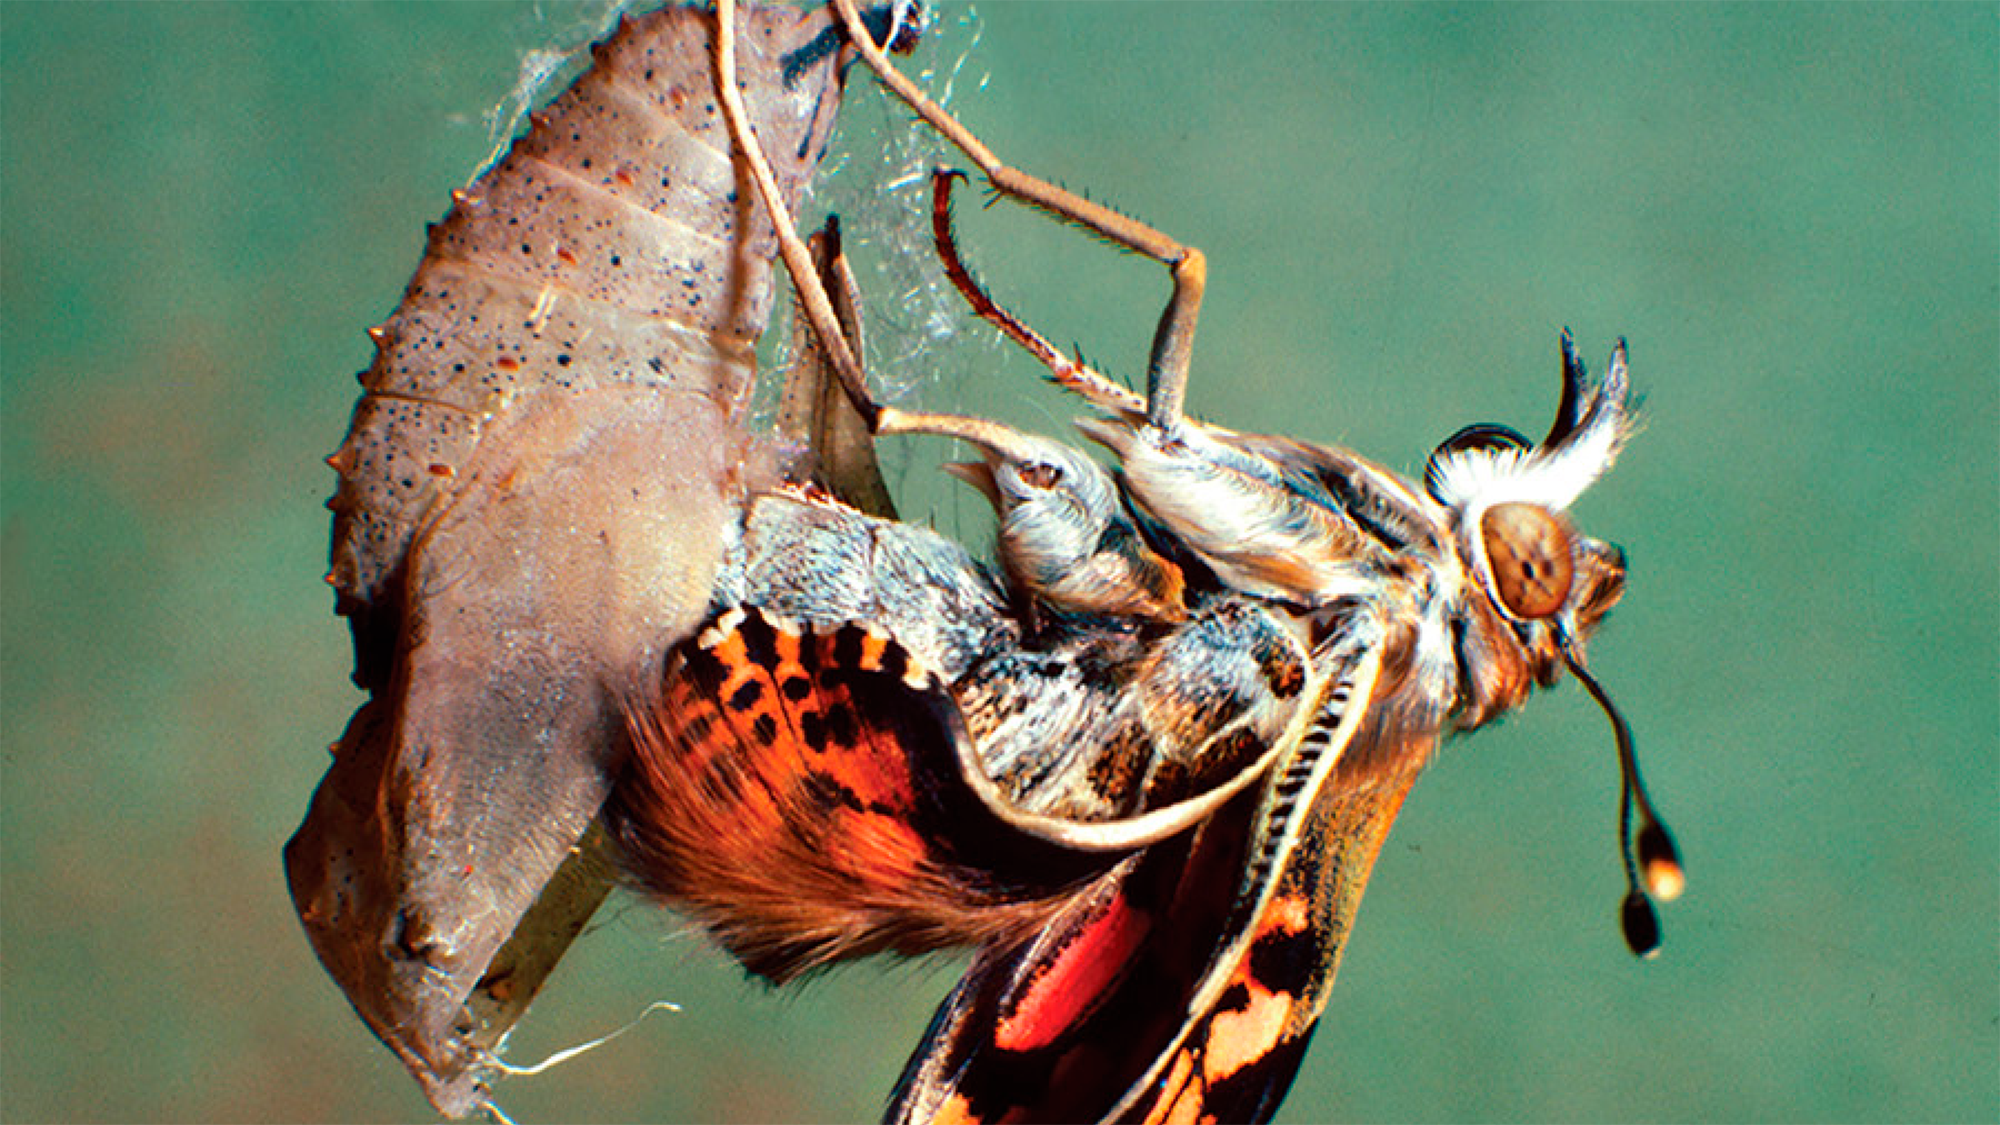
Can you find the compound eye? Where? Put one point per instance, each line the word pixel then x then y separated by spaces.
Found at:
pixel 1531 552
pixel 1040 475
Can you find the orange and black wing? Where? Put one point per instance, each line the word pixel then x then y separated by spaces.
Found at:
pixel 1186 985
pixel 795 789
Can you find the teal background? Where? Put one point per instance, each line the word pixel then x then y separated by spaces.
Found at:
pixel 1792 211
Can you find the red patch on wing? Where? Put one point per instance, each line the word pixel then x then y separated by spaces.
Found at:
pixel 1061 992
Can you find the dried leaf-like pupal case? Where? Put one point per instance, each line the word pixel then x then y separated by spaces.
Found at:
pixel 530 511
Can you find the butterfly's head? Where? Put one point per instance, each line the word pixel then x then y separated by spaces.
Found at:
pixel 1508 501
pixel 1508 504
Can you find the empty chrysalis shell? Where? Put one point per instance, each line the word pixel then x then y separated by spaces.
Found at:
pixel 530 509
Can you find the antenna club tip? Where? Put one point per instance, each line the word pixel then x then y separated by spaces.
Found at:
pixel 1641 926
pixel 1660 863
pixel 1665 879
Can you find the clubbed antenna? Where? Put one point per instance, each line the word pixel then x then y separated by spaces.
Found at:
pixel 1650 851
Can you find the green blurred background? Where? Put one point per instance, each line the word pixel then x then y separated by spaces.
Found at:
pixel 1792 211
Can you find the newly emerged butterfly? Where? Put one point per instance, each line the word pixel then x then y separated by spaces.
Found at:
pixel 994 768
pixel 1146 767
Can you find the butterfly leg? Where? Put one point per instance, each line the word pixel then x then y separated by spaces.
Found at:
pixel 836 350
pixel 828 302
pixel 1071 373
pixel 1173 340
pixel 1070 542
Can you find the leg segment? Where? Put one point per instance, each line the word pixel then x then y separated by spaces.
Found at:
pixel 1072 374
pixel 813 299
pixel 1173 341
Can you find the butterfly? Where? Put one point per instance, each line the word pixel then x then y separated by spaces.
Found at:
pixel 866 751
pixel 829 772
pixel 1146 767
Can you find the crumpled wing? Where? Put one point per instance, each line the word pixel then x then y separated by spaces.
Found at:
pixel 791 789
pixel 1186 986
